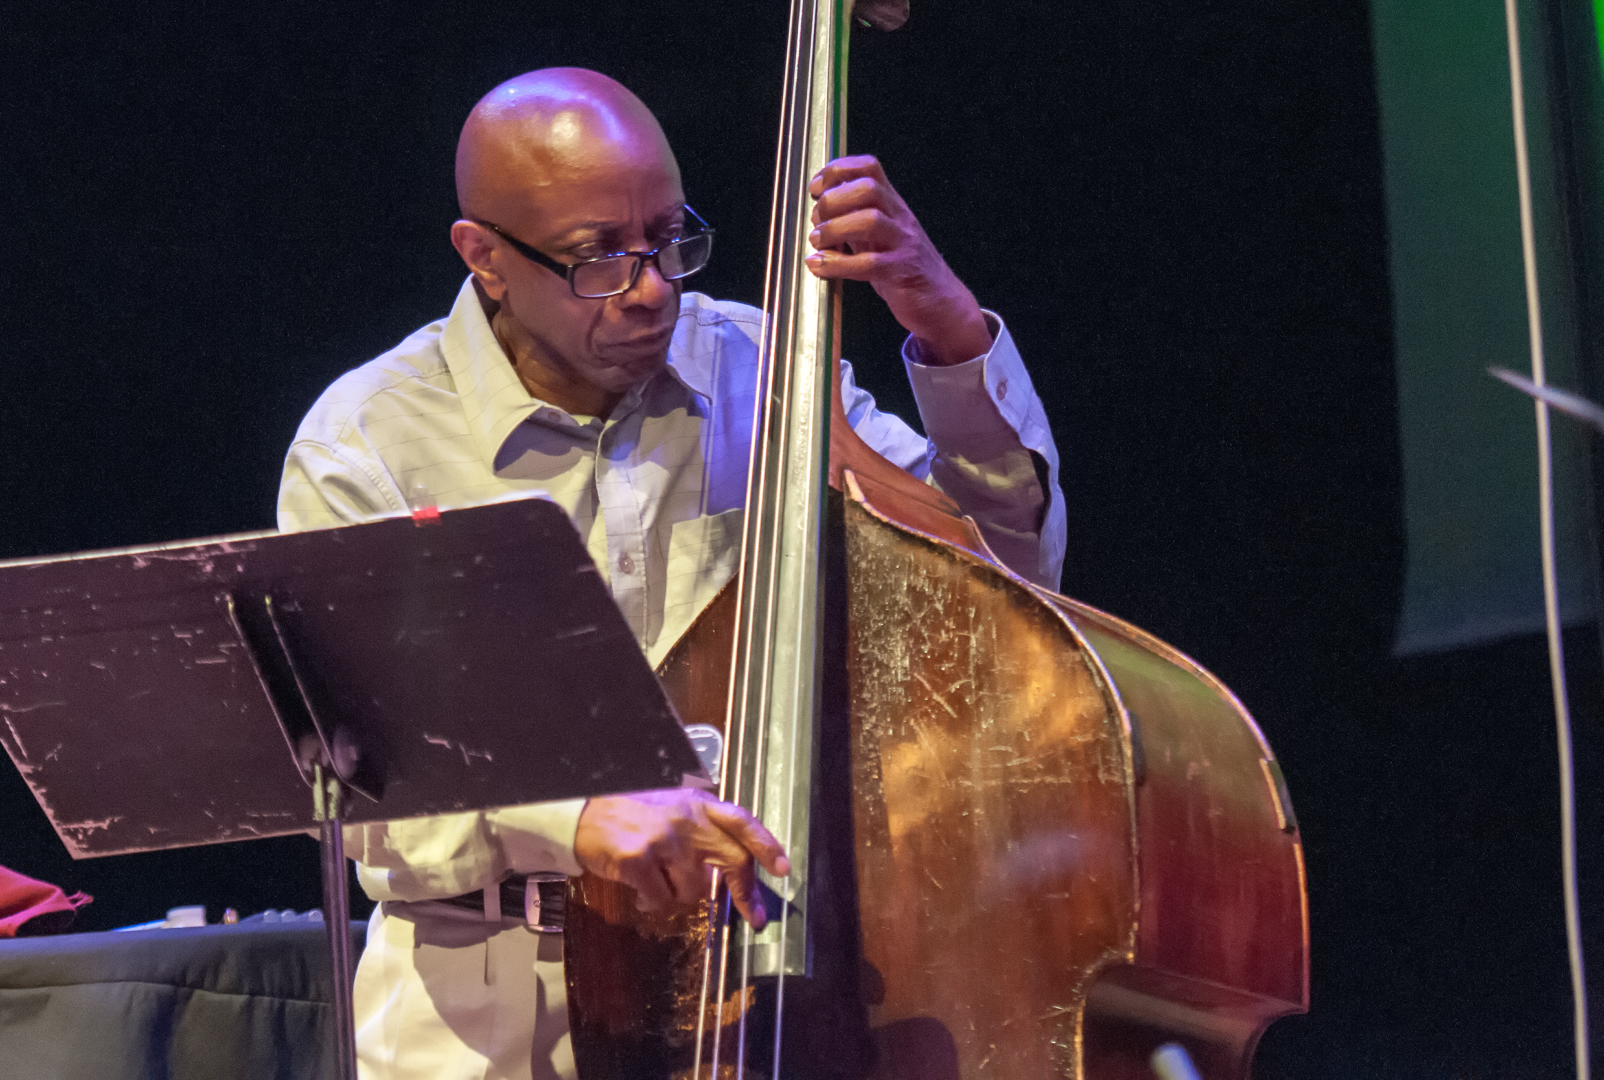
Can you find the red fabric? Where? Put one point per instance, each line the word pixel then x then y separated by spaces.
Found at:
pixel 29 907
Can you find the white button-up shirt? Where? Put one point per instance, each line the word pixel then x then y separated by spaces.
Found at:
pixel 655 490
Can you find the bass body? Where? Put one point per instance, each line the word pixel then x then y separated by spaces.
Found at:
pixel 1044 843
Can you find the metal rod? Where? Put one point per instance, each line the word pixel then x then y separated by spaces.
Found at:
pixel 337 921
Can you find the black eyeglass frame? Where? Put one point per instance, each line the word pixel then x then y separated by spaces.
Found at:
pixel 568 270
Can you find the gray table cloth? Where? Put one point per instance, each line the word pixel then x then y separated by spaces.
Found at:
pixel 209 1003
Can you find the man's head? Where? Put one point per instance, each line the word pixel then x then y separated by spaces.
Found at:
pixel 574 165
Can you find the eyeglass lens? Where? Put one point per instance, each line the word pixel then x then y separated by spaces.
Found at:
pixel 607 277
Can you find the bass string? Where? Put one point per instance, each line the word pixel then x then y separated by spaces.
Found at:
pixel 796 227
pixel 791 227
pixel 753 634
pixel 796 232
pixel 762 635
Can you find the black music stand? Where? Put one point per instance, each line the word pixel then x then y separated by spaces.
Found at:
pixel 423 664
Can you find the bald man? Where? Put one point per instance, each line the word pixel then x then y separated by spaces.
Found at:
pixel 574 363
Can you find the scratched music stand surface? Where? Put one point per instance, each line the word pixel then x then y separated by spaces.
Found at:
pixel 263 684
pixel 473 662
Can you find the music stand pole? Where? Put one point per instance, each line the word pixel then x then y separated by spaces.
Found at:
pixel 328 798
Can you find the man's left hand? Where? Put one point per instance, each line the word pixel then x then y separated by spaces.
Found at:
pixel 865 232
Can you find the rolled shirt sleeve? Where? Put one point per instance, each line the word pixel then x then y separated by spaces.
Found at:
pixel 989 447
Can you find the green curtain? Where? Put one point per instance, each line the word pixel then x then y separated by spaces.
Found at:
pixel 1469 443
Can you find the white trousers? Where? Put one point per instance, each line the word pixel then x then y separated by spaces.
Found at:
pixel 441 994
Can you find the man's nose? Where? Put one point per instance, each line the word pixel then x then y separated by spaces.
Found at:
pixel 651 288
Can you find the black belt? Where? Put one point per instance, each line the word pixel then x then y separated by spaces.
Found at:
pixel 542 909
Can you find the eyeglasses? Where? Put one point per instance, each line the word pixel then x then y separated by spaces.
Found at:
pixel 610 275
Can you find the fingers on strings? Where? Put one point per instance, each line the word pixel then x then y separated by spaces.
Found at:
pixel 845 169
pixel 753 839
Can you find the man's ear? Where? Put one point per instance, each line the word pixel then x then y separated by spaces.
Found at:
pixel 473 242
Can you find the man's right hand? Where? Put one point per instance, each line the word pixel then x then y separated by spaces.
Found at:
pixel 666 844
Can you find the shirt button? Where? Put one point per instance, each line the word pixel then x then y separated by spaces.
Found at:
pixel 1002 388
pixel 626 565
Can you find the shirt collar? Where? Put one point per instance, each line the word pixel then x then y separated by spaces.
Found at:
pixel 493 397
pixel 682 365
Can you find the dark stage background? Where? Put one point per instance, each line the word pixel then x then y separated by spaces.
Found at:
pixel 213 209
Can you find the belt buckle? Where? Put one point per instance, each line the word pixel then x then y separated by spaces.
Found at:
pixel 533 910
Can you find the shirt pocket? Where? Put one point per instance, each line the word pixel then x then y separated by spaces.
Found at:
pixel 702 557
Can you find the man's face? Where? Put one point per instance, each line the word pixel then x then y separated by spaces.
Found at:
pixel 580 210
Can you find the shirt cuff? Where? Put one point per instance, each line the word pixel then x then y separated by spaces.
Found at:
pixel 953 399
pixel 539 837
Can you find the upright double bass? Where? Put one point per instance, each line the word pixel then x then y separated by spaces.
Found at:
pixel 1027 839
